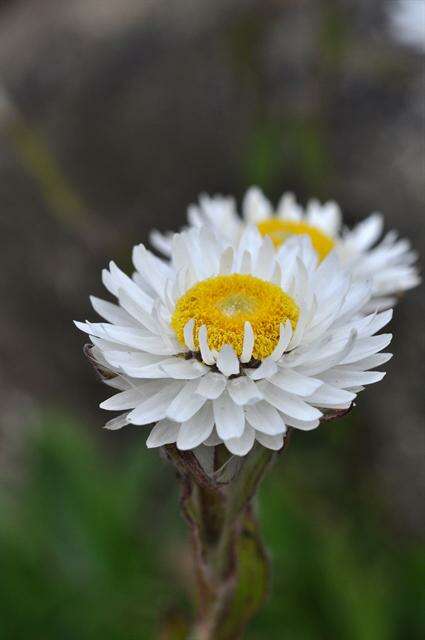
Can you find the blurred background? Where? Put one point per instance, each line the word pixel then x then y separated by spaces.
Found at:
pixel 114 116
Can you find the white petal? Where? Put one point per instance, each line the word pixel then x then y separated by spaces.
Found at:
pixel 227 361
pixel 373 361
pixel 229 417
pixel 212 385
pixel 165 432
pixel 267 368
pixel 197 429
pixel 277 274
pixel 326 217
pixel 206 353
pixel 323 360
pixel 290 404
pixel 377 322
pixel 365 347
pixel 298 334
pixel 250 240
pixel 161 242
pixel 179 252
pixel 122 281
pixel 255 206
pixel 331 398
pixel 226 261
pixel 106 345
pixel 248 342
pixel 130 398
pixel 346 379
pixel 119 382
pixel 270 442
pixel 195 258
pixel 294 382
pixel 357 297
pixel 284 339
pixel 264 266
pixel 153 270
pixel 246 263
pixel 241 446
pixel 195 216
pixel 111 312
pixel 137 312
pixel 243 390
pixel 265 418
pixel 324 276
pixel 209 251
pixel 184 369
pixel 131 337
pixel 188 334
pixel 288 207
pixel 186 403
pixel 303 425
pixel 155 407
pixel 366 233
pixel 136 365
pixel 108 282
pixel 117 423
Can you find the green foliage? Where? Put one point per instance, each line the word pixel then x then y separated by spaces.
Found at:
pixel 337 573
pixel 92 546
pixel 83 545
pixel 293 147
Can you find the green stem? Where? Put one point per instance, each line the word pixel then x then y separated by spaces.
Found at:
pixel 230 560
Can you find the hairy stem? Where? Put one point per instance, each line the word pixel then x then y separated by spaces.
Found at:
pixel 230 561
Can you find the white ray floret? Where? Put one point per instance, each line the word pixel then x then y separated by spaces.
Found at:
pixel 388 262
pixel 288 372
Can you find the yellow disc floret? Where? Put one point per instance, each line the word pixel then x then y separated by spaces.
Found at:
pixel 225 303
pixel 280 230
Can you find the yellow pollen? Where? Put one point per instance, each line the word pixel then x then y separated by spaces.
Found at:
pixel 280 230
pixel 225 303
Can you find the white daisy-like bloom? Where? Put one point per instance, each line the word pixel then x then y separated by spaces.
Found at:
pixel 388 262
pixel 229 344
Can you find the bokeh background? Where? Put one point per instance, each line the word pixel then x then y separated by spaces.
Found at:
pixel 114 116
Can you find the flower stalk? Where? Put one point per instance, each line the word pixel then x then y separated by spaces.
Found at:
pixel 231 564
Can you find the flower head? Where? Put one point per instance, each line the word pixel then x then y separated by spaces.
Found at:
pixel 226 304
pixel 233 344
pixel 388 263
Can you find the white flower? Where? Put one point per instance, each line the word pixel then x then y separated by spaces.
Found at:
pixel 388 264
pixel 407 22
pixel 233 345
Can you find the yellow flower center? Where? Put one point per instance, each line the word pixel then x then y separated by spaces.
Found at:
pixel 280 230
pixel 225 303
